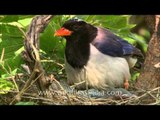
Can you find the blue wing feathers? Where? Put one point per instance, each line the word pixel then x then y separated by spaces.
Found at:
pixel 113 45
pixel 109 47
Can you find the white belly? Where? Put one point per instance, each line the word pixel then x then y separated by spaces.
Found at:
pixel 101 71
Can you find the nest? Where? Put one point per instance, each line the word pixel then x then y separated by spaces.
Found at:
pixel 63 97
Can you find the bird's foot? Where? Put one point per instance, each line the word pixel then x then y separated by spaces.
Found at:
pixel 126 84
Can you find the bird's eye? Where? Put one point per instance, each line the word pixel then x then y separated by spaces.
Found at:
pixel 75 27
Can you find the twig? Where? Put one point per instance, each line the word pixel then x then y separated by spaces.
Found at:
pixel 26 86
pixel 12 78
pixel 63 90
pixel 152 95
pixel 137 98
pixel 59 64
pixel 76 84
pixel 2 55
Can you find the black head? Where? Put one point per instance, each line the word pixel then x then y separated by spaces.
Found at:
pixel 75 25
pixel 75 29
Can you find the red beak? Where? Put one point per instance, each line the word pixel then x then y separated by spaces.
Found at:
pixel 63 32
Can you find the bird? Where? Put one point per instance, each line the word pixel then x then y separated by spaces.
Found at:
pixel 95 57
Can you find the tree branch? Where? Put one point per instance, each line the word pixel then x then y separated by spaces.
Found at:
pixel 32 57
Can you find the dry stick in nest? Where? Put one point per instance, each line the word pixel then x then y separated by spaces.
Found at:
pixel 140 97
pixel 31 54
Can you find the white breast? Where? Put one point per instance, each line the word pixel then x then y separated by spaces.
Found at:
pixel 100 72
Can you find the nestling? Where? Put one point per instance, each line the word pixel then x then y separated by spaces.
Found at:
pixel 96 55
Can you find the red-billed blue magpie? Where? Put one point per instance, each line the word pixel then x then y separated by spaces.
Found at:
pixel 96 56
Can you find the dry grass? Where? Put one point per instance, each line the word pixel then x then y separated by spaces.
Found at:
pixel 62 97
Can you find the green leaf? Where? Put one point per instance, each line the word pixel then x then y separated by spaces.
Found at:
pixel 113 21
pixel 21 17
pixel 9 18
pixel 12 42
pixel 13 72
pixel 49 42
pixel 25 22
pixel 47 39
pixel 141 41
pixel 5 86
pixel 0 40
pixel 25 103
pixel 12 55
pixel 129 39
pixel 135 75
pixel 10 30
pixel 14 62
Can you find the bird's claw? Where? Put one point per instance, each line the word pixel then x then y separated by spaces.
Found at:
pixel 126 84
